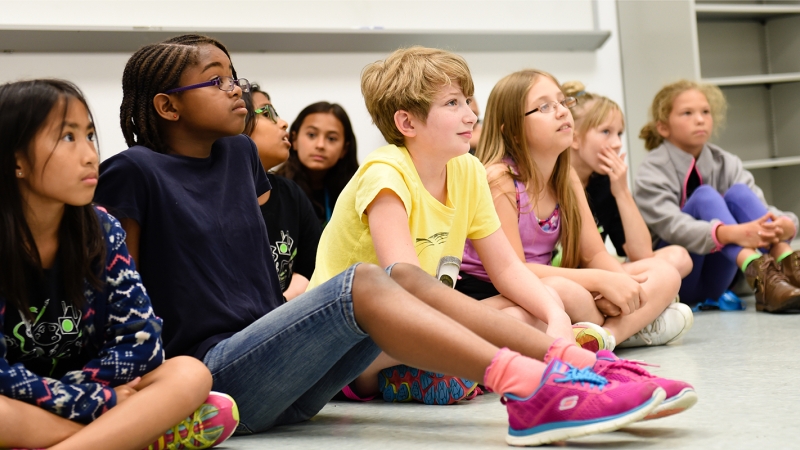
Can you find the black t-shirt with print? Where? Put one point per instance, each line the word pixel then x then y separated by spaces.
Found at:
pixel 605 211
pixel 293 229
pixel 52 343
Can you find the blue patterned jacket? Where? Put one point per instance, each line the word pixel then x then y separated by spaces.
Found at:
pixel 121 330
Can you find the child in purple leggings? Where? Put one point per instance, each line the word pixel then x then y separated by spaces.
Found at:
pixel 694 194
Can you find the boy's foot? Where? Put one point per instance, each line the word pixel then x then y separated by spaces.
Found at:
pixel 668 327
pixel 774 292
pixel 593 337
pixel 680 395
pixel 403 384
pixel 574 402
pixel 213 422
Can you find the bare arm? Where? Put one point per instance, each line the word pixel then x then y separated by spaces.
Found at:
pixel 516 283
pixel 388 225
pixel 297 286
pixel 638 244
pixel 618 287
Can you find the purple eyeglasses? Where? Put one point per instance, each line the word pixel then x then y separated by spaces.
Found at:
pixel 222 83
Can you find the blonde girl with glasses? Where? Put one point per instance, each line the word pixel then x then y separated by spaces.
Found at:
pixel 292 225
pixel 527 134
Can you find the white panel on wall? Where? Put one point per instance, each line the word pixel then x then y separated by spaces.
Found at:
pixel 297 80
pixel 397 14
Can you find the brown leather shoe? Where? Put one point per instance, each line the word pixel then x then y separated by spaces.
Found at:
pixel 790 266
pixel 774 292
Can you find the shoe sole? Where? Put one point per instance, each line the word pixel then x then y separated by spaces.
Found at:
pixel 597 333
pixel 602 426
pixel 439 392
pixel 791 305
pixel 677 404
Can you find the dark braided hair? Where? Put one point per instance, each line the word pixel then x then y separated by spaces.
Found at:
pixel 154 69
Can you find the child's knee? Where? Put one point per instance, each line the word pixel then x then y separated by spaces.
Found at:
pixel 568 293
pixel 706 194
pixel 192 372
pixel 677 257
pixel 739 193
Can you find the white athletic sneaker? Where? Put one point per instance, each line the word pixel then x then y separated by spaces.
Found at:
pixel 668 327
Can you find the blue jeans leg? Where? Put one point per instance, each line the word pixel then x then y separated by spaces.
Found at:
pixel 286 365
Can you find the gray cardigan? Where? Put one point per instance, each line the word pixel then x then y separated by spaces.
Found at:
pixel 659 186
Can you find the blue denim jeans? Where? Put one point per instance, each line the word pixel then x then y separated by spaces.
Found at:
pixel 287 365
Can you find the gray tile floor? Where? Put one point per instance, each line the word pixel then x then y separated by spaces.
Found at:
pixel 744 365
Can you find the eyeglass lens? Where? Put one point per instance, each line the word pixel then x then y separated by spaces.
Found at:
pixel 269 112
pixel 227 83
pixel 568 102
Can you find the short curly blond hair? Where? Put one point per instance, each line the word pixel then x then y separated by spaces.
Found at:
pixel 408 80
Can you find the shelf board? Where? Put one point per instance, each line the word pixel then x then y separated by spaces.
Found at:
pixel 716 11
pixel 749 80
pixel 128 39
pixel 771 162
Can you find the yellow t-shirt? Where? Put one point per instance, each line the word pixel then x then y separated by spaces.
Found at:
pixel 439 231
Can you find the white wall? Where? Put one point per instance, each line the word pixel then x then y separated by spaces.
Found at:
pixel 299 14
pixel 296 80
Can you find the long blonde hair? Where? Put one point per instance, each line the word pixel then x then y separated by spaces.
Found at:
pixel 503 136
pixel 662 107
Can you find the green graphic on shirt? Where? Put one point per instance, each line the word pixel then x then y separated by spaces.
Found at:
pixel 47 339
pixel 283 253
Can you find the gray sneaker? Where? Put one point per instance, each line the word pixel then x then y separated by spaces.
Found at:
pixel 668 327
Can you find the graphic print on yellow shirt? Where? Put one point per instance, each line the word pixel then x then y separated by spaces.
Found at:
pixel 438 230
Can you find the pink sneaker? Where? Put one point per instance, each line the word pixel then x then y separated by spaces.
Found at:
pixel 353 396
pixel 212 423
pixel 574 402
pixel 680 395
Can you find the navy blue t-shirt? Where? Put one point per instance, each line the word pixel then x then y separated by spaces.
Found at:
pixel 204 254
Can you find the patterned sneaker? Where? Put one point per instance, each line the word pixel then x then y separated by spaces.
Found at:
pixel 668 327
pixel 680 395
pixel 593 337
pixel 213 422
pixel 574 402
pixel 403 384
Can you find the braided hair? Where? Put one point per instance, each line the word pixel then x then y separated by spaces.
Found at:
pixel 154 69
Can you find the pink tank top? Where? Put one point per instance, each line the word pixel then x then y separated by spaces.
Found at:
pixel 539 238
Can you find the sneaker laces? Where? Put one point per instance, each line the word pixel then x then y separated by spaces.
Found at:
pixel 583 376
pixel 654 327
pixel 633 366
pixel 187 424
